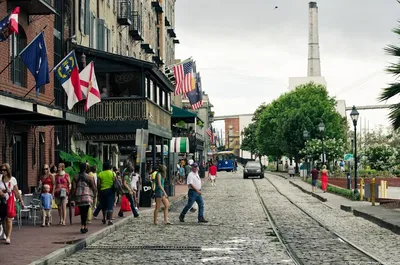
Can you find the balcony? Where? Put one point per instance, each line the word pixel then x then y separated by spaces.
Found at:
pixel 147 48
pixel 176 41
pixel 167 23
pixel 135 30
pixel 122 115
pixel 157 6
pixel 124 15
pixel 171 33
pixel 35 7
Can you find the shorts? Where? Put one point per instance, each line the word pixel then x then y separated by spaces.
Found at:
pixel 46 212
pixel 158 194
pixel 60 200
pixel 314 182
pixel 212 177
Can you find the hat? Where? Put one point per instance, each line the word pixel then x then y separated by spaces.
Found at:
pixel 194 165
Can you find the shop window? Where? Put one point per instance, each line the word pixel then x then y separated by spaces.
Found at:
pixel 18 69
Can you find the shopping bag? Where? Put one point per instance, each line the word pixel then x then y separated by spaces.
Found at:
pixel 53 204
pixel 76 211
pixel 11 208
pixel 125 204
pixel 90 214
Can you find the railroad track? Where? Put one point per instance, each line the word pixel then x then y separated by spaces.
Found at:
pixel 297 259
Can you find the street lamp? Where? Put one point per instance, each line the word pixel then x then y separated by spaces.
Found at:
pixel 321 128
pixel 306 135
pixel 354 116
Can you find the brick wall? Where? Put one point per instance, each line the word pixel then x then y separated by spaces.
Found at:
pixel 28 133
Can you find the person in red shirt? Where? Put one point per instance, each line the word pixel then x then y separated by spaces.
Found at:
pixel 212 174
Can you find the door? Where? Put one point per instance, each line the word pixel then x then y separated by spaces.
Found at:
pixel 18 166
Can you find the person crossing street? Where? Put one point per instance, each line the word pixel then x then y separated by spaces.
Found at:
pixel 194 195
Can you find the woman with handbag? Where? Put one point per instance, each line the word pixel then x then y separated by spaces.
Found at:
pixel 8 191
pixel 105 185
pixel 61 192
pixel 83 191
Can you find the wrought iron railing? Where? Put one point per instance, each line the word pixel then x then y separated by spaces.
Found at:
pixel 125 109
pixel 124 10
pixel 137 23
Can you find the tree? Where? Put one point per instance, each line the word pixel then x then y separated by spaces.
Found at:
pixel 394 88
pixel 334 148
pixel 249 142
pixel 281 125
pixel 380 157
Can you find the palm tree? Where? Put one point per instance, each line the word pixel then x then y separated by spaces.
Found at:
pixel 394 88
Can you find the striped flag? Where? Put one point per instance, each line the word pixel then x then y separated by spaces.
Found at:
pixel 210 134
pixel 183 74
pixel 196 95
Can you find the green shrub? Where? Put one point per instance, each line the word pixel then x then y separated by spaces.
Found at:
pixel 336 190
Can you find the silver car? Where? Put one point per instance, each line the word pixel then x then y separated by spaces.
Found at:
pixel 253 169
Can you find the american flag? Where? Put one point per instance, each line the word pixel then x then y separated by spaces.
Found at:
pixel 183 76
pixel 210 134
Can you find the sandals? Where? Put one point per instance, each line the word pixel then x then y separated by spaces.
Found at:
pixel 168 223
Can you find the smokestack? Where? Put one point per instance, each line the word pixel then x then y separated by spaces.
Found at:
pixel 314 63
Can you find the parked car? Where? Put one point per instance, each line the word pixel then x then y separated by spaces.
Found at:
pixel 253 169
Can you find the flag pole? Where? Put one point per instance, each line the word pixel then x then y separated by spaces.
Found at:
pixel 34 87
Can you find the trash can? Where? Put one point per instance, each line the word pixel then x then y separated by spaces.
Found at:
pixel 145 195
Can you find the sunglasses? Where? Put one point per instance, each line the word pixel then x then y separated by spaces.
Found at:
pixel 45 168
pixel 3 169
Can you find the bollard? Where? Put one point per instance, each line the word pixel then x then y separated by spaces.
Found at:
pixel 362 189
pixel 373 191
pixel 348 181
pixel 385 188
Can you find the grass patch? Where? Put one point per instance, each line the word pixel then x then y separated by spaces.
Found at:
pixel 336 190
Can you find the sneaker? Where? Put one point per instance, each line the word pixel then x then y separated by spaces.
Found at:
pixel 181 218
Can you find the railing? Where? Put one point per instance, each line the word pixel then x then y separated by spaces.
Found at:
pixel 114 109
pixel 124 11
pixel 137 23
pixel 158 115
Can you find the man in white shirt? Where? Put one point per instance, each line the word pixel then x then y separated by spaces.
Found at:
pixel 194 195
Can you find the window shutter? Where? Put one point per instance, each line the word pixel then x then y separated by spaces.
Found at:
pixel 100 34
pixel 87 17
pixel 108 40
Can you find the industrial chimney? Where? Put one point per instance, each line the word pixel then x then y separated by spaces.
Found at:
pixel 314 63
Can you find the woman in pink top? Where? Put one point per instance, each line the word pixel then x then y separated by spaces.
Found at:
pixel 61 192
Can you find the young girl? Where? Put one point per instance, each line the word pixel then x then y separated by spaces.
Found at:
pixel 46 201
pixel 161 195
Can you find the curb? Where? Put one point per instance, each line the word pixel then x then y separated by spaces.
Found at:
pixel 64 252
pixel 382 223
pixel 346 208
pixel 319 197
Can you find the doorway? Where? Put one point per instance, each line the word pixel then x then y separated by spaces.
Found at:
pixel 18 161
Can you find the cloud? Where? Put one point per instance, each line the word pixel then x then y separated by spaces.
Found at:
pixel 246 51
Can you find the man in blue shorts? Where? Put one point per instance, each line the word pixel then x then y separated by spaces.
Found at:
pixel 314 175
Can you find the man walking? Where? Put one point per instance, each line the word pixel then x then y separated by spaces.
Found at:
pixel 194 194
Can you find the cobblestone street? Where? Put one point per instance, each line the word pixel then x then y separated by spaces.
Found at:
pixel 239 231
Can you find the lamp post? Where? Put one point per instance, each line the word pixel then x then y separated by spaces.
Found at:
pixel 321 128
pixel 354 116
pixel 305 135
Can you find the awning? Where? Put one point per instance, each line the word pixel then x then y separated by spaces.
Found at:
pixel 179 114
pixel 27 111
pixel 179 145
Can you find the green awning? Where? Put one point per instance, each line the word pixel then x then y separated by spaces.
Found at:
pixel 181 113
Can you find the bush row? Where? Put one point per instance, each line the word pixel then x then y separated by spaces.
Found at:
pixel 336 190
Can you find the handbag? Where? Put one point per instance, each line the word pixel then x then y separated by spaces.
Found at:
pixel 117 186
pixel 125 204
pixel 63 192
pixel 76 211
pixel 11 208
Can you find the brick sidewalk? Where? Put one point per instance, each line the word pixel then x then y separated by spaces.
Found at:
pixel 35 242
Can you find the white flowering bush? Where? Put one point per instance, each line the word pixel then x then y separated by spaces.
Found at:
pixel 334 149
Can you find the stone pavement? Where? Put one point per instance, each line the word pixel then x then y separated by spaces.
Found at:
pixel 378 241
pixel 238 233
pixel 35 242
pixel 381 216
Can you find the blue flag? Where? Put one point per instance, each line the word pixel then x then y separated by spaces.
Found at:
pixel 34 57
pixel 5 28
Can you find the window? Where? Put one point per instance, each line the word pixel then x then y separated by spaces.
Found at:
pixel 101 30
pixel 107 34
pixel 84 18
pixel 155 92
pixel 92 41
pixel 115 6
pixel 151 90
pixel 18 69
pixel 146 83
pixel 161 94
pixel 169 102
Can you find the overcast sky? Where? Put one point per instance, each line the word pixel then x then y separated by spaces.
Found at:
pixel 247 50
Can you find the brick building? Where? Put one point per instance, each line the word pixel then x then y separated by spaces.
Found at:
pixel 32 126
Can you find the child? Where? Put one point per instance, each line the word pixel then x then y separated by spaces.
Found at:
pixel 46 198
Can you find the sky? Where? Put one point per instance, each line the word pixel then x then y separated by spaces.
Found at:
pixel 247 50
